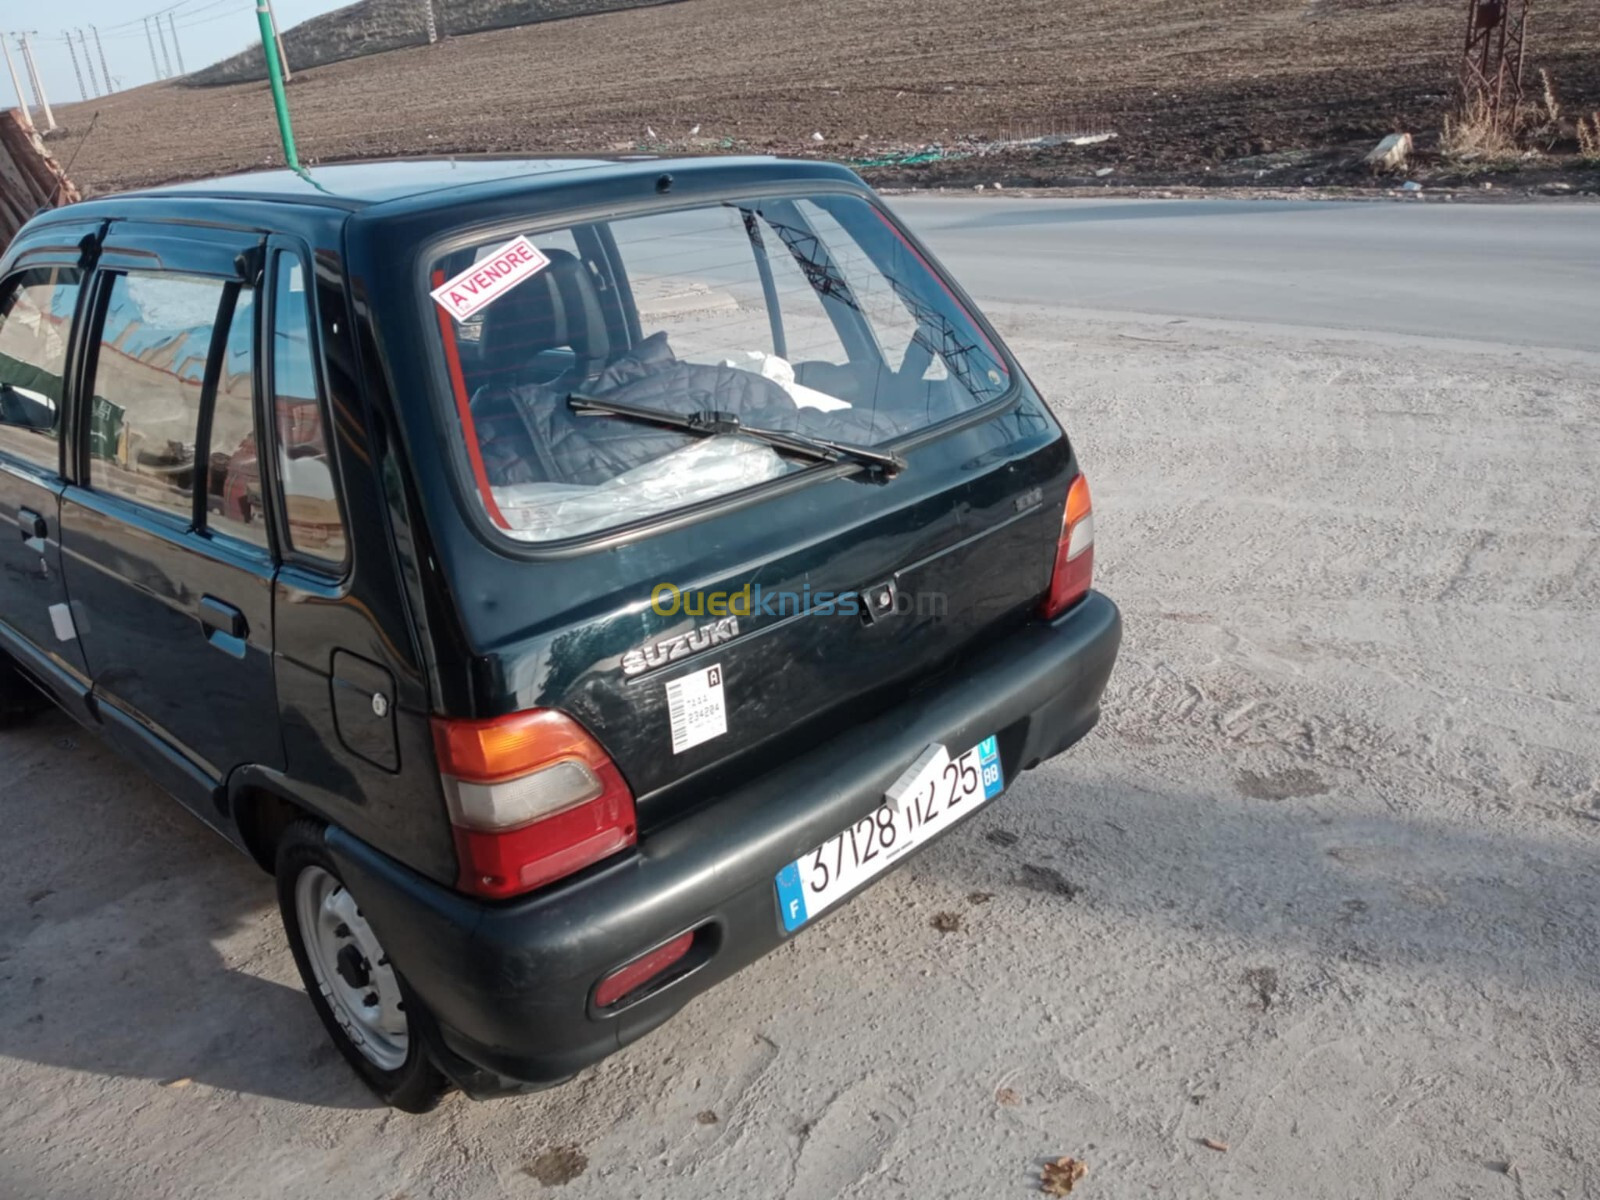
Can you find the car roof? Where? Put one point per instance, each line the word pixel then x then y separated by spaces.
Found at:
pixel 360 185
pixel 405 197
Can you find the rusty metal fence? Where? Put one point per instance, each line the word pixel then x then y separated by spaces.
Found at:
pixel 29 178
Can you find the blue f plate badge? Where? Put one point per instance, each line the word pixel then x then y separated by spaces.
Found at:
pixel 935 792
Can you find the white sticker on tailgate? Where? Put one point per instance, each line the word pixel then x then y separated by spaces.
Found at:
pixel 490 278
pixel 697 709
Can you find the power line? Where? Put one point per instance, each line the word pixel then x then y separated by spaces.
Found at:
pixel 123 30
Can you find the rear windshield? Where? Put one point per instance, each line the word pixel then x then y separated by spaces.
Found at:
pixel 803 316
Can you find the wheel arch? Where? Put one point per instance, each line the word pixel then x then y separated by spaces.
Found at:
pixel 262 809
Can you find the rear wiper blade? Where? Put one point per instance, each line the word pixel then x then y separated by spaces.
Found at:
pixel 711 424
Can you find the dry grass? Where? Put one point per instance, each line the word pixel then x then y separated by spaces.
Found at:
pixel 1589 136
pixel 1477 133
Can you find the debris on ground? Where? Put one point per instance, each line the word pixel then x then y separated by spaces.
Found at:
pixel 1213 1144
pixel 1263 981
pixel 985 897
pixel 1048 880
pixel 918 157
pixel 946 922
pixel 557 1166
pixel 1060 1177
pixel 1390 154
pixel 706 1118
pixel 1008 1097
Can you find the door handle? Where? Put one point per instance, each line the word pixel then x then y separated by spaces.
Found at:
pixel 219 617
pixel 32 525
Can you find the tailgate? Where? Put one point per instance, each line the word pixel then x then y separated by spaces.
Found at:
pixel 868 594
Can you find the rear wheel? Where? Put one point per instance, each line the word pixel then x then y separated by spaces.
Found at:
pixel 361 998
pixel 19 699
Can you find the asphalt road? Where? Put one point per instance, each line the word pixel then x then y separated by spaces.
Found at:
pixel 1519 274
pixel 1323 888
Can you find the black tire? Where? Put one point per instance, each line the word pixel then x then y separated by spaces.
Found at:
pixel 20 701
pixel 416 1085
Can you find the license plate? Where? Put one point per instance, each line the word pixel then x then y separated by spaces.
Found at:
pixel 934 792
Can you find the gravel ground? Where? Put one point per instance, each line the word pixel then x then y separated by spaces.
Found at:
pixel 1323 887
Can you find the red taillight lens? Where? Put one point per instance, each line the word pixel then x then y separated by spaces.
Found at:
pixel 532 797
pixel 1074 569
pixel 642 970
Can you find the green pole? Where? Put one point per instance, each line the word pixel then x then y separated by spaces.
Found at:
pixel 280 102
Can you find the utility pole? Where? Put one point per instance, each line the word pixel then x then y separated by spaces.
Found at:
pixel 433 26
pixel 22 101
pixel 283 59
pixel 1492 58
pixel 172 24
pixel 83 92
pixel 105 71
pixel 151 42
pixel 88 63
pixel 161 40
pixel 38 86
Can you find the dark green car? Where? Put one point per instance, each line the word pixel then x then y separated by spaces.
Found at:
pixel 572 578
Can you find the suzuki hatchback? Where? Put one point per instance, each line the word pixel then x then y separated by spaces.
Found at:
pixel 571 579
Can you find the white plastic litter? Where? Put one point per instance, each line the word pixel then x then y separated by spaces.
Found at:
pixel 781 372
pixel 544 512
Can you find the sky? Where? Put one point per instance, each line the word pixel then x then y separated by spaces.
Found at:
pixel 207 30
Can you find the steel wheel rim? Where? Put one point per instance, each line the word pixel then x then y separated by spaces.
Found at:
pixel 351 969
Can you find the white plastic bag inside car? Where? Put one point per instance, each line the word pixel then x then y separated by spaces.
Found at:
pixel 543 512
pixel 781 372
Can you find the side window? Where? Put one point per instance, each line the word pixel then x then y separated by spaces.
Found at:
pixel 234 506
pixel 310 501
pixel 35 321
pixel 147 387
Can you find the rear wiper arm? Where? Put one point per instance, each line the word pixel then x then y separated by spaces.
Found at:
pixel 710 424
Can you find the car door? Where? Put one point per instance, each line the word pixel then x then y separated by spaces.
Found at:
pixel 38 306
pixel 170 572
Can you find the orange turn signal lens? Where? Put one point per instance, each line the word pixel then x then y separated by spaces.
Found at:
pixel 508 747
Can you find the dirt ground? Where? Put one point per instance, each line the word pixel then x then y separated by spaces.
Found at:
pixel 1198 91
pixel 1323 888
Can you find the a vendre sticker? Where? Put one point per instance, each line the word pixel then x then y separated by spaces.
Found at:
pixel 490 278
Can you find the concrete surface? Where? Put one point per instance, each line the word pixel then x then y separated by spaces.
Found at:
pixel 1323 887
pixel 1524 275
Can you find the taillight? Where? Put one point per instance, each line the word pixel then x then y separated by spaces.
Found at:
pixel 532 797
pixel 1074 570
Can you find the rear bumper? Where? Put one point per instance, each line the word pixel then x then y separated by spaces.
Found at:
pixel 510 985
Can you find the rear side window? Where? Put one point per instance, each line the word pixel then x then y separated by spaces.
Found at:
pixel 235 506
pixel 310 502
pixel 148 380
pixel 806 316
pixel 36 310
